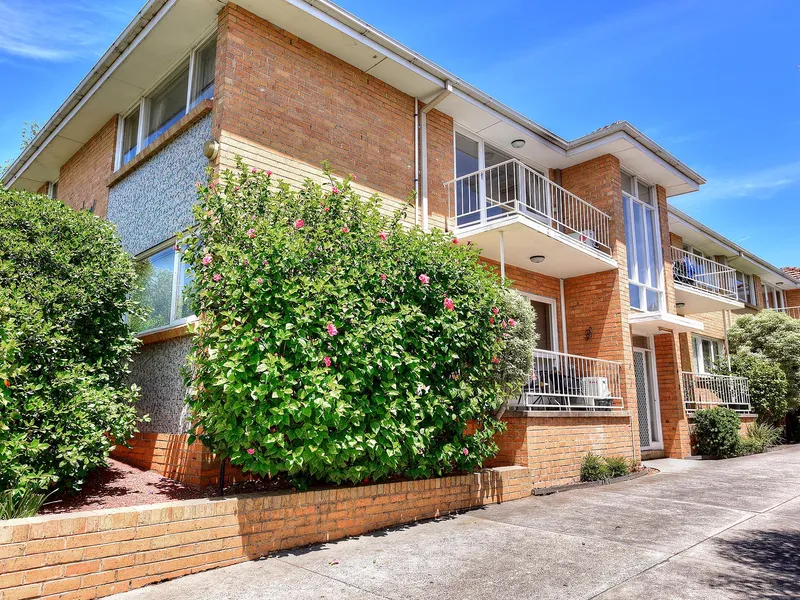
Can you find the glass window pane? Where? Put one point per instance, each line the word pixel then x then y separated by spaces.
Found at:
pixel 130 132
pixel 636 299
pixel 649 222
pixel 467 190
pixel 184 306
pixel 544 326
pixel 203 79
pixel 167 105
pixel 627 184
pixel 155 279
pixel 653 300
pixel 640 272
pixel 629 238
pixel 645 194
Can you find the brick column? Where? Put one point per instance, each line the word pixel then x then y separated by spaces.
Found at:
pixel 674 423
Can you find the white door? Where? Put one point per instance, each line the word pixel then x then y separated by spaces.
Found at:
pixel 647 401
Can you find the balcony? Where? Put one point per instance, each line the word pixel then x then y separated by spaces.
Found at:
pixel 703 285
pixel 566 382
pixel 513 213
pixel 702 390
pixel 792 311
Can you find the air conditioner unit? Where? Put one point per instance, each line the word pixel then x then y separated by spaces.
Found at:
pixel 586 237
pixel 595 387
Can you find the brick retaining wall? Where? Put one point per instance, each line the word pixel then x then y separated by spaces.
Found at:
pixel 98 553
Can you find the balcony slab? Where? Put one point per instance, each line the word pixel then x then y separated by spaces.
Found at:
pixel 697 301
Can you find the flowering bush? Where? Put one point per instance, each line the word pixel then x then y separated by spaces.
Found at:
pixel 335 343
pixel 64 347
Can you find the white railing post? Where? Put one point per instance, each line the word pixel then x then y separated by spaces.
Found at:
pixel 705 274
pixel 704 390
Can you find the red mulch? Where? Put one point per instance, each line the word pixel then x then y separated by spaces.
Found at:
pixel 122 485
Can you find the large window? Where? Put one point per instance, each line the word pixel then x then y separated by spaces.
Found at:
pixel 156 112
pixel 706 353
pixel 643 241
pixel 773 297
pixel 546 328
pixel 163 278
pixel 744 288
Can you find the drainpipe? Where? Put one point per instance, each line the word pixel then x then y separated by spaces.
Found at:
pixel 563 316
pixel 416 161
pixel 502 257
pixel 725 316
pixel 448 89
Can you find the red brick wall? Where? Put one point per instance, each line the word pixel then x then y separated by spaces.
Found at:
pixel 674 426
pixel 96 554
pixel 441 160
pixel 82 180
pixel 284 93
pixel 792 298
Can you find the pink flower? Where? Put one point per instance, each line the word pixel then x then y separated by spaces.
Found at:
pixel 504 324
pixel 465 452
pixel 175 247
pixel 383 277
pixel 353 176
pixel 251 451
pixel 424 279
pixel 255 339
pixel 207 260
pixel 269 173
pixel 511 322
pixel 448 304
pixel 491 320
pixel 266 262
pixel 259 281
pixel 495 310
pixel 332 331
pixel 247 261
pixel 345 230
pixel 254 170
pixel 217 277
pixel 327 361
pixel 455 241
pixel 495 360
pixel 251 233
pixel 469 243
pixel 327 209
pixel 299 224
pixel 384 235
pixel 335 190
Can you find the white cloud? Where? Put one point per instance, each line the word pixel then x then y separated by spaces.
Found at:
pixel 48 30
pixel 759 184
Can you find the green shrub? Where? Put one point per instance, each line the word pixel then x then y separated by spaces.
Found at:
pixel 716 432
pixel 336 343
pixel 749 446
pixel 764 434
pixel 64 348
pixel 768 385
pixel 516 357
pixel 594 468
pixel 20 503
pixel 618 466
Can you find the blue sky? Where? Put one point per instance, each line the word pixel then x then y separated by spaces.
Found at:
pixel 716 83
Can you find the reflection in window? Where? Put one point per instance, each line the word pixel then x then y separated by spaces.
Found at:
pixel 162 280
pixel 642 244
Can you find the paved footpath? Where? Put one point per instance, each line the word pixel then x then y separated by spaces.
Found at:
pixel 709 530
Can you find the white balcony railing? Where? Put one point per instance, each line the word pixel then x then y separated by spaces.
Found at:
pixel 702 390
pixel 561 381
pixel 792 311
pixel 704 274
pixel 513 188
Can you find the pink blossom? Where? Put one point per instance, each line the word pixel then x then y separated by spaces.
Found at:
pixel 269 173
pixel 255 339
pixel 335 190
pixel 384 235
pixel 299 224
pixel 345 230
pixel 332 331
pixel 207 260
pixel 469 243
pixel 251 451
pixel 327 361
pixel 495 310
pixel 465 452
pixel 327 209
pixel 495 360
pixel 448 304
pixel 504 324
pixel 217 277
pixel 491 320
pixel 247 261
pixel 266 262
pixel 511 322
pixel 259 281
pixel 455 241
pixel 353 176
pixel 254 170
pixel 424 279
pixel 251 233
pixel 175 247
pixel 383 277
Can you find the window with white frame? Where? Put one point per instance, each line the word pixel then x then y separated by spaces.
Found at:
pixel 546 322
pixel 52 190
pixel 643 244
pixel 744 288
pixel 163 277
pixel 773 297
pixel 706 353
pixel 184 88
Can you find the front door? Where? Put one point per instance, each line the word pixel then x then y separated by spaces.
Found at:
pixel 646 401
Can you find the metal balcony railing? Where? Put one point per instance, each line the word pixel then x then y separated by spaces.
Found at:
pixel 562 382
pixel 703 390
pixel 704 274
pixel 792 311
pixel 513 188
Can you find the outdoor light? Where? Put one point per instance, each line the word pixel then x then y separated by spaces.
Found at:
pixel 537 258
pixel 517 143
pixel 778 283
pixel 680 304
pixel 211 149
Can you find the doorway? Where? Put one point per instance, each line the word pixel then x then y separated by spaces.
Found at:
pixel 647 399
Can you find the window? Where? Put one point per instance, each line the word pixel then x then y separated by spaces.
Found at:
pixel 163 277
pixel 52 190
pixel 182 90
pixel 645 278
pixel 545 309
pixel 744 288
pixel 773 297
pixel 706 353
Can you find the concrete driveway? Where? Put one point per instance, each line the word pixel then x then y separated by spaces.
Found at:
pixel 699 529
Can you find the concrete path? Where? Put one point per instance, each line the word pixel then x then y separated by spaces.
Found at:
pixel 717 530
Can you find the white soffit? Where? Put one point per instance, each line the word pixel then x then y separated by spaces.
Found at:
pixel 662 322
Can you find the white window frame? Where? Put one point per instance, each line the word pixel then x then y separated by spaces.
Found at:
pixel 553 315
pixel 749 284
pixel 52 189
pixel 177 287
pixel 631 245
pixel 699 355
pixel 143 103
pixel 773 297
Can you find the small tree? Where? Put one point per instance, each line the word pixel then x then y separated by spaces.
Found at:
pixel 775 336
pixel 519 336
pixel 337 344
pixel 716 432
pixel 64 348
pixel 767 383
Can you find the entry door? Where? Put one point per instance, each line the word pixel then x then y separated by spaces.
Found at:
pixel 646 401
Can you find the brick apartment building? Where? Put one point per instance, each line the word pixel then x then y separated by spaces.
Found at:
pixel 633 296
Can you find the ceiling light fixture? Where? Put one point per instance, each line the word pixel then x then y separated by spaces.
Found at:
pixel 680 304
pixel 537 258
pixel 517 144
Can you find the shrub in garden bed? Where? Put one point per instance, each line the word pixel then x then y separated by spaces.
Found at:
pixel 716 432
pixel 598 468
pixel 64 347
pixel 336 344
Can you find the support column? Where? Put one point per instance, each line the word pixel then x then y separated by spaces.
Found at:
pixel 674 422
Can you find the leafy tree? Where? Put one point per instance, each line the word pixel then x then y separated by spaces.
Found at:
pixel 64 348
pixel 29 131
pixel 775 336
pixel 519 336
pixel 337 344
pixel 767 383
